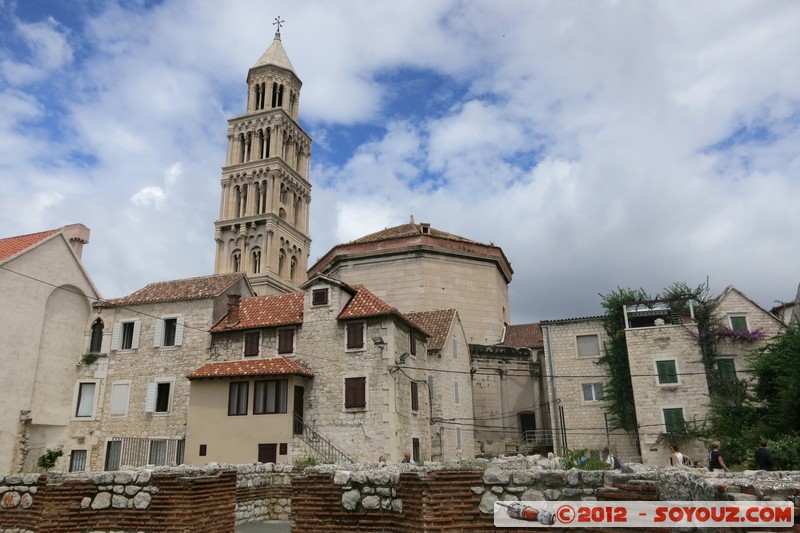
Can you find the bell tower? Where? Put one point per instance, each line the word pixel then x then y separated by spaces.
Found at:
pixel 263 224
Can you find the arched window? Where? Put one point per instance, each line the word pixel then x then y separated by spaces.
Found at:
pixel 281 263
pixel 237 261
pixel 256 261
pixel 284 193
pixel 292 268
pixel 97 336
pixel 296 211
pixel 280 96
pixel 242 148
pixel 282 213
pixel 266 144
pixel 243 208
pixel 274 95
pixel 264 196
pixel 237 200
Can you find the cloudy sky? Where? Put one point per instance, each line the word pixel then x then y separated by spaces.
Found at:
pixel 600 144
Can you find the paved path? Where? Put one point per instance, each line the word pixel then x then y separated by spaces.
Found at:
pixel 271 526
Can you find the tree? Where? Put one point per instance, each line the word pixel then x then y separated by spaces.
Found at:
pixel 776 370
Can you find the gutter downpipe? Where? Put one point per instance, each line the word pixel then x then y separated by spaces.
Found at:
pixel 554 395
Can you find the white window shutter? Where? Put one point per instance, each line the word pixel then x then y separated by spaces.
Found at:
pixel 150 398
pixel 158 332
pixel 179 331
pixel 115 336
pixel 137 327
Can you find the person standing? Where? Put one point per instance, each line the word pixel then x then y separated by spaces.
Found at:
pixel 717 462
pixel 763 457
pixel 676 457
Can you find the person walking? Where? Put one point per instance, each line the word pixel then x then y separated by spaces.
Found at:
pixel 717 462
pixel 763 457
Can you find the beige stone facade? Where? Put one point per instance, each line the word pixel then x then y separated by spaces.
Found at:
pixel 47 299
pixel 129 407
pixel 263 224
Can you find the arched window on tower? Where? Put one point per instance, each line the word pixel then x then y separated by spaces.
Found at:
pixel 236 261
pixel 242 148
pixel 264 196
pixel 284 193
pixel 257 103
pixel 256 261
pixel 282 213
pixel 293 268
pixel 260 144
pixel 96 343
pixel 243 207
pixel 237 201
pixel 281 263
pixel 266 144
pixel 274 95
pixel 296 211
pixel 280 96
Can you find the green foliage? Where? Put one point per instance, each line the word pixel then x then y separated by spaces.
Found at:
pixel 618 391
pixel 48 459
pixel 776 368
pixel 573 457
pixel 786 452
pixel 89 358
pixel 306 461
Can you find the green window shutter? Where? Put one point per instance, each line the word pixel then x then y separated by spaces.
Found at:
pixel 673 420
pixel 727 369
pixel 667 372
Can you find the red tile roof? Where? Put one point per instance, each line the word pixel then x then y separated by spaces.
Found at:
pixel 11 246
pixel 178 290
pixel 276 366
pixel 437 323
pixel 365 304
pixel 409 230
pixel 524 336
pixel 266 311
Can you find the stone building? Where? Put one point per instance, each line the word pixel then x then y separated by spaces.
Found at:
pixel 263 224
pixel 46 301
pixel 131 397
pixel 335 373
pixel 671 387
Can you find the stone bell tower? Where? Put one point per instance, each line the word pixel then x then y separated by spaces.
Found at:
pixel 263 224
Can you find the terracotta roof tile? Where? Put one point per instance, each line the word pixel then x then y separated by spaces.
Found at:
pixel 177 290
pixel 276 366
pixel 409 230
pixel 437 323
pixel 524 336
pixel 11 246
pixel 365 304
pixel 266 311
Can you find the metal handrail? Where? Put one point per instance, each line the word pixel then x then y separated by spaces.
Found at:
pixel 318 442
pixel 541 437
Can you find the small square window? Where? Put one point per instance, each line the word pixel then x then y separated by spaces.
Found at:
pixel 588 345
pixel 592 392
pixel 77 461
pixel 319 297
pixel 203 450
pixel 355 392
pixel 119 398
pixel 158 397
pixel 727 369
pixel 739 323
pixel 667 372
pixel 355 335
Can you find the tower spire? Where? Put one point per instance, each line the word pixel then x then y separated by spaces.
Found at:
pixel 278 23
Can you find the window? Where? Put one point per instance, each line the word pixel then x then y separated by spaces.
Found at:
pixel 85 402
pixel 285 341
pixel 113 454
pixel 415 452
pixel 739 323
pixel 727 369
pixel 96 344
pixel 237 398
pixel 588 345
pixel 355 335
pixel 455 393
pixel 292 268
pixel 592 392
pixel 120 392
pixel 77 461
pixel 158 397
pixel 673 420
pixel 168 332
pixel 455 347
pixel 458 438
pixel 203 451
pixel 237 261
pixel 158 452
pixel 125 335
pixel 270 396
pixel 414 396
pixel 319 297
pixel 252 341
pixel 355 392
pixel 256 261
pixel 667 372
pixel 412 343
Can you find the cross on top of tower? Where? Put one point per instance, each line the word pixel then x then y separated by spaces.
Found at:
pixel 278 22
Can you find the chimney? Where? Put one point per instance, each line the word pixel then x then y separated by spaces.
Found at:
pixel 233 309
pixel 77 235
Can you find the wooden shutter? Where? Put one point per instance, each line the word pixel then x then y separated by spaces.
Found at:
pixel 412 343
pixel 414 396
pixel 137 328
pixel 116 334
pixel 179 331
pixel 158 332
pixel 150 398
pixel 286 341
pixel 355 392
pixel 252 340
pixel 666 372
pixel 673 420
pixel 355 335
